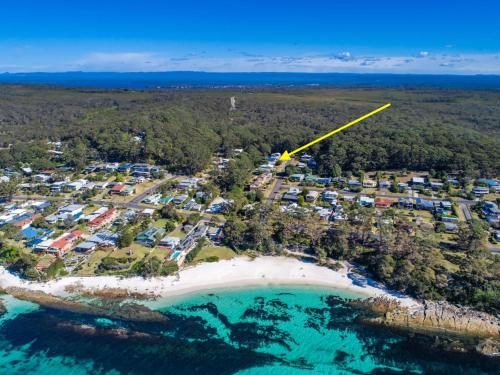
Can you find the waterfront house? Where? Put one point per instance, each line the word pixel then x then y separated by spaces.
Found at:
pixel 150 236
pixel 170 242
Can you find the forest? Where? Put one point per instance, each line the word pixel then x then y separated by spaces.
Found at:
pixel 425 129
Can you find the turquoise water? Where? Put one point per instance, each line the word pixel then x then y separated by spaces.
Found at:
pixel 175 255
pixel 271 330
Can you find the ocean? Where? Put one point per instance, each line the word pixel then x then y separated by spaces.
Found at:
pixel 209 80
pixel 265 330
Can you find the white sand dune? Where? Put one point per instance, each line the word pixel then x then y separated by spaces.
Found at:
pixel 237 272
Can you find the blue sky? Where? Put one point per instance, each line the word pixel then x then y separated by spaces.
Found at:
pixel 439 36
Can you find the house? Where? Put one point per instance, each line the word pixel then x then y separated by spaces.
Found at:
pixel 384 185
pixel 324 181
pixel 366 201
pixel 105 238
pixel 451 228
pixel 148 212
pixel 274 157
pixel 261 180
pixel 445 205
pixel 480 190
pixel 290 197
pixel 85 247
pixel 72 210
pixel 402 186
pixel 103 219
pixel 63 244
pixel 57 186
pixel 76 185
pixel 166 199
pixel 354 185
pixel 349 198
pixel 170 242
pixel 111 167
pixel 150 236
pixel 311 196
pixel 329 195
pixel 405 203
pixel 41 178
pixel 124 168
pixel 129 190
pixel 179 199
pixel 192 206
pixel 423 204
pixel 493 185
pixel 40 205
pixel 369 183
pixel 418 182
pixel 298 177
pixel 219 205
pixel 266 168
pixel 25 220
pixel 215 234
pixel 190 183
pixel 436 186
pixel 153 199
pixel 34 236
pixel 117 188
pixel 383 202
pixel 101 185
pixel 27 171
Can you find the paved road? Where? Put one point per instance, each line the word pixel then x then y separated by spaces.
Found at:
pixel 466 210
pixel 138 199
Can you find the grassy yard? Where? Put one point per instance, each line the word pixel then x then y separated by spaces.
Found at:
pixel 177 232
pixel 222 252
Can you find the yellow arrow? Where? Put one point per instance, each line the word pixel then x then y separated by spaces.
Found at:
pixel 286 155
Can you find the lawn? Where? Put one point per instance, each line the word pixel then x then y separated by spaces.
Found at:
pixel 222 252
pixel 177 232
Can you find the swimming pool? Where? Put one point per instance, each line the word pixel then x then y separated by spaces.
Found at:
pixel 175 255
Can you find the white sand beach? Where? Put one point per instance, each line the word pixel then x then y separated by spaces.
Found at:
pixel 237 272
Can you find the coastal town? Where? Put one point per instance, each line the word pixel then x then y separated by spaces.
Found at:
pixel 123 218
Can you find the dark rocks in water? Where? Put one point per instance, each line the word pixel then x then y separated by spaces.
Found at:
pixel 107 308
pixel 3 310
pixel 127 350
pixel 273 310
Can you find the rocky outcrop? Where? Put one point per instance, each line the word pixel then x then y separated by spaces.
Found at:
pixel 107 308
pixel 109 293
pixel 3 310
pixel 438 316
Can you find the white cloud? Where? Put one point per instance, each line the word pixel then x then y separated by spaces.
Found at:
pixel 340 62
pixel 121 61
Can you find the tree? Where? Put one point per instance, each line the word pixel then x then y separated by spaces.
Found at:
pixel 126 238
pixel 471 237
pixel 8 189
pixel 169 226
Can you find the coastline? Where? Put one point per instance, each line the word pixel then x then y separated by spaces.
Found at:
pixel 239 272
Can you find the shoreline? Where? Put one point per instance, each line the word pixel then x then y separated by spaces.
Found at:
pixel 239 272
